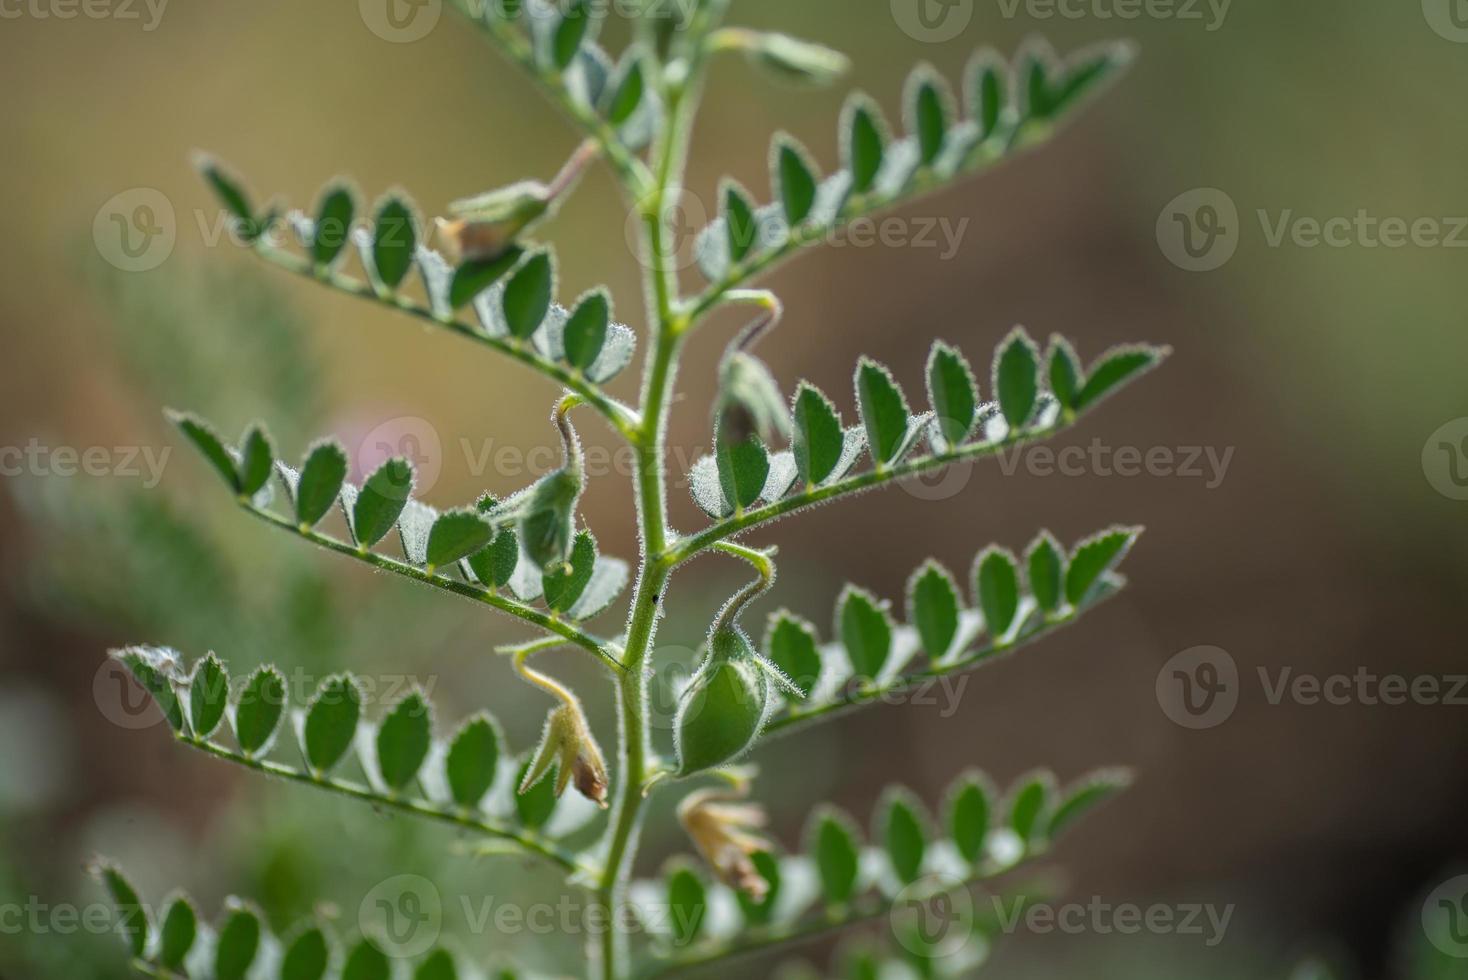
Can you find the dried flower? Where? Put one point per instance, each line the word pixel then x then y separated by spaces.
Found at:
pixel 725 829
pixel 569 745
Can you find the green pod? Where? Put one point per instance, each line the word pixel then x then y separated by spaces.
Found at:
pixel 547 525
pixel 722 711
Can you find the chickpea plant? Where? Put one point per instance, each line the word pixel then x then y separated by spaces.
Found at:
pixel 530 557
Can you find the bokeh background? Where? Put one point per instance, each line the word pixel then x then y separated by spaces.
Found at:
pixel 1329 543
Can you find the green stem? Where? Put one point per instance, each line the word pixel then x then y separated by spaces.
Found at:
pixel 687 547
pixel 420 808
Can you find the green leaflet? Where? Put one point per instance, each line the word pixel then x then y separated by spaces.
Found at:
pixel 258 714
pixel 395 237
pixel 472 760
pixel 257 460
pixel 208 696
pixel 438 966
pixel 331 721
pixel 307 957
pixel 239 942
pixel 1065 374
pixel 794 60
pixel 884 411
pixel 740 226
pixel 366 962
pixel 790 644
pixel 154 668
pixel 985 91
pixel 744 466
pixel 933 607
pixel 209 445
pixel 1027 804
pixel 571 31
pixel 819 438
pixel 952 393
pixel 177 933
pixel 687 904
pixel 535 804
pixel 527 296
pixel 1080 799
pixel 1016 385
pixel 457 534
pixel 904 833
pixel 334 215
pixel 586 329
pixel 969 808
pixel 320 483
pixel 997 588
pixel 864 142
pixel 232 194
pixel 1046 564
pixel 565 583
pixel 1093 557
pixel 795 180
pixel 929 110
pixel 381 500
pixel 628 90
pixel 833 843
pixel 865 630
pixel 132 917
pixel 403 741
pixel 1115 369
pixel 476 275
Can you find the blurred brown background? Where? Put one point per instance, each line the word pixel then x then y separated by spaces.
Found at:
pixel 1319 373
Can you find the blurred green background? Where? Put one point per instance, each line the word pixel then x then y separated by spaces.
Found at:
pixel 1324 547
